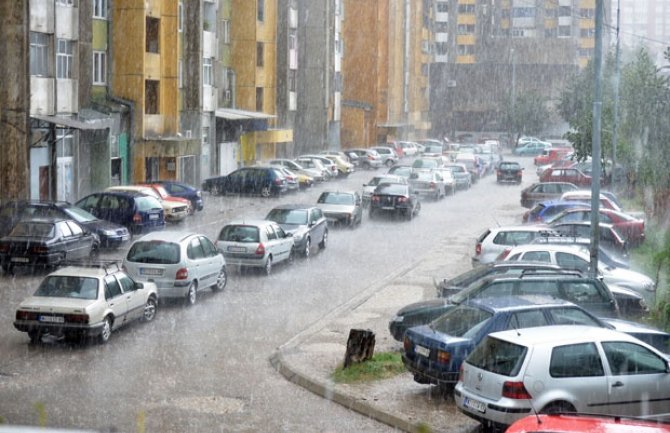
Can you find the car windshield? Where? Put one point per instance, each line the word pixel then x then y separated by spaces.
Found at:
pixel 158 252
pixel 422 176
pixel 463 321
pixel 425 163
pixel 336 198
pixel 59 286
pixel 240 233
pixel 288 216
pixel 78 214
pixel 36 229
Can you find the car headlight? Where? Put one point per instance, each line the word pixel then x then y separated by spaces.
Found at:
pixel 198 193
pixel 398 319
pixel 109 232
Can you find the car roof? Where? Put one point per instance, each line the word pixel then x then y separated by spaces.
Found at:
pixel 522 263
pixel 516 303
pixel 167 235
pixel 547 247
pixel 557 335
pixel 292 206
pixel 45 219
pixel 90 269
pixel 523 228
pixel 339 192
pixel 251 222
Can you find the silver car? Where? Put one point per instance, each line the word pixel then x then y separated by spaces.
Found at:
pixel 582 369
pixel 343 208
pixel 180 264
pixel 428 183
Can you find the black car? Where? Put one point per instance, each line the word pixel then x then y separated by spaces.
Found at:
pixel 394 198
pixel 306 224
pixel 46 241
pixel 509 171
pixel 183 190
pixel 137 212
pixel 263 181
pixel 111 235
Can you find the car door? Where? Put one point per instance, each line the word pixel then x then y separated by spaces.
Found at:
pixel 281 243
pixel 215 260
pixel 638 380
pixel 66 242
pixel 116 300
pixel 199 263
pixel 83 240
pixel 135 299
pixel 317 223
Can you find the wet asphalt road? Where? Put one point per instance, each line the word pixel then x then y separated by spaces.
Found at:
pixel 205 368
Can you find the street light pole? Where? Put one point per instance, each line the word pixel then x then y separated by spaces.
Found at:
pixel 617 75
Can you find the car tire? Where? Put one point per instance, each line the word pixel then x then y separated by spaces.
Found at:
pixel 558 407
pixel 8 269
pixel 308 247
pixel 409 214
pixel 266 191
pixel 35 336
pixel 324 241
pixel 149 309
pixel 268 266
pixel 389 163
pixel 221 280
pixel 192 293
pixel 106 331
pixel 215 190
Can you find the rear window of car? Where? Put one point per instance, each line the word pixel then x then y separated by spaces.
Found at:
pixel 462 321
pixel 425 163
pixel 147 203
pixel 575 360
pixel 158 252
pixel 336 198
pixel 514 237
pixel 498 356
pixel 392 189
pixel 239 233
pixel 288 216
pixel 45 230
pixel 60 286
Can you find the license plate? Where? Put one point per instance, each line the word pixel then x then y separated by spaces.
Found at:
pixel 388 207
pixel 150 271
pixel 474 404
pixel 52 319
pixel 237 249
pixel 423 351
pixel 20 259
pixel 125 237
pixel 153 217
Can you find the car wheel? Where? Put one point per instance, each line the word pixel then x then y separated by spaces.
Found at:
pixel 266 191
pixel 35 336
pixel 308 247
pixel 389 163
pixel 149 310
pixel 221 280
pixel 558 407
pixel 215 190
pixel 8 269
pixel 192 293
pixel 106 330
pixel 324 240
pixel 268 266
pixel 409 214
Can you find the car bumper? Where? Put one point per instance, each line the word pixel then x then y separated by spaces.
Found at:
pixel 495 412
pixel 175 217
pixel 114 241
pixel 339 218
pixel 255 261
pixel 44 260
pixel 428 372
pixel 58 328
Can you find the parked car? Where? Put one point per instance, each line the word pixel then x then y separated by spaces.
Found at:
pixel 461 175
pixel 344 208
pixel 46 241
pixel 316 175
pixel 292 179
pixel 264 181
pixel 432 150
pixel 631 228
pixel 369 188
pixel 409 148
pixel 344 167
pixel 544 191
pixel 610 238
pixel 256 244
pixel 184 190
pixel 306 224
pixel 368 158
pixel 316 164
pixel 389 157
pixel 394 198
pixel 581 369
pixel 397 148
pixel 531 147
pixel 138 212
pixel 78 302
pixel 546 210
pixel 578 423
pixel 181 264
pixel 473 165
pixel 165 196
pixel 428 183
pixel 174 210
pixel 111 235
pixel 570 175
pixel 509 171
pixel 448 179
pixel 551 155
pixel 584 196
pixel 495 240
pixel 428 162
pixel 329 164
pixel 433 353
pixel 606 255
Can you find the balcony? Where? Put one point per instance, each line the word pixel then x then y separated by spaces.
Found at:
pixel 209 44
pixel 42 16
pixel 67 22
pixel 442 17
pixel 42 95
pixel 209 102
pixel 152 66
pixel 67 95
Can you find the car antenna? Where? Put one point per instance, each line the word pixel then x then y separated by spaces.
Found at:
pixel 537 416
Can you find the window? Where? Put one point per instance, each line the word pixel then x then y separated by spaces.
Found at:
pixel 260 51
pixel 180 17
pixel 74 227
pixel 587 33
pixel 153 26
pixel 571 261
pixel 99 67
pixel 112 287
pixel 527 319
pixel 100 9
pixel 465 29
pixel 466 8
pixel 572 316
pixel 564 11
pixel 205 134
pixel 194 250
pixel 207 72
pixel 64 143
pixel 260 13
pixel 587 13
pixel 271 233
pixel 629 358
pixel 441 48
pixel 225 31
pixel 151 97
pixel 442 6
pixel 127 284
pixel 39 54
pixel 64 58
pixel 65 2
pixel 523 12
pixel 575 360
pixel 259 99
pixel 537 256
pixel 465 50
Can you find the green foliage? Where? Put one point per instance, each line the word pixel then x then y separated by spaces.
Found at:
pixel 528 115
pixel 382 365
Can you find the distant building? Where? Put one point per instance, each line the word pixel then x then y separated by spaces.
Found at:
pixel 644 23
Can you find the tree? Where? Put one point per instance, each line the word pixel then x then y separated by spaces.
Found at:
pixel 528 115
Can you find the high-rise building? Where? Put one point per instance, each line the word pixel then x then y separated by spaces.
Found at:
pixel 644 23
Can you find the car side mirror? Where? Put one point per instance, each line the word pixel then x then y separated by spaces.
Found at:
pixel 138 285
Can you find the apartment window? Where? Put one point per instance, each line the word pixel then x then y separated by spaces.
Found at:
pixel 441 48
pixel 465 29
pixel 99 67
pixel 260 13
pixel 70 3
pixel 564 31
pixel 151 97
pixel 550 12
pixel 225 31
pixel 153 35
pixel 466 9
pixel 587 33
pixel 39 54
pixel 207 72
pixel 551 33
pixel 180 16
pixel 292 81
pixel 564 11
pixel 587 13
pixel 442 7
pixel 260 51
pixel 100 9
pixel 466 50
pixel 527 12
pixel 259 99
pixel 205 134
pixel 64 143
pixel 64 58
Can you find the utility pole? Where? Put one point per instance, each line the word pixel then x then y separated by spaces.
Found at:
pixel 617 75
pixel 595 133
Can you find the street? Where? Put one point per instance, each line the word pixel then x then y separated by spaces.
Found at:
pixel 205 368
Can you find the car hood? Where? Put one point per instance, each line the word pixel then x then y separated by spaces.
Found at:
pixel 55 305
pixel 348 208
pixel 628 278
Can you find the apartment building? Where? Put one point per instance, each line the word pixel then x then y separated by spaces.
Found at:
pixel 644 24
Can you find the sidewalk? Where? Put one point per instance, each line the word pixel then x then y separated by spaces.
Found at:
pixel 309 358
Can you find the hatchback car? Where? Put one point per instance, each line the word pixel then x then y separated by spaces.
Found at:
pixel 306 224
pixel 344 167
pixel 85 301
pixel 180 264
pixel 343 208
pixel 495 240
pixel 544 191
pixel 511 374
pixel 389 157
pixel 137 212
pixel 329 164
pixel 532 147
pixel 316 164
pixel 263 181
pixel 428 183
pixel 368 158
pixel 256 244
pixel 630 227
pixel 509 171
pixel 184 190
pixel 396 199
pixel 174 209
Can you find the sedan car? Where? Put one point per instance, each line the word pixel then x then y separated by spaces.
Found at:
pixel 256 244
pixel 46 241
pixel 428 183
pixel 344 208
pixel 111 235
pixel 631 228
pixel 85 301
pixel 263 181
pixel 394 198
pixel 509 171
pixel 180 264
pixel 580 368
pixel 369 188
pixel 184 190
pixel 544 191
pixel 306 224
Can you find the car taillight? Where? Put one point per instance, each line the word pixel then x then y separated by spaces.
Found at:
pixel 76 318
pixel 182 274
pixel 504 254
pixel 371 157
pixel 497 172
pixel 374 198
pixel 40 249
pixel 515 390
pixel 432 185
pixel 25 315
pixel 402 199
pixel 478 249
pixel 406 344
pixel 137 218
pixel 260 251
pixel 443 357
pixel 277 181
pixel 4 248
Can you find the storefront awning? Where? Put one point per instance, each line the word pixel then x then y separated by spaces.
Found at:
pixel 236 114
pixel 70 122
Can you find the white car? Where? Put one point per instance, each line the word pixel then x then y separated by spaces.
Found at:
pixel 180 264
pixel 583 369
pixel 494 241
pixel 256 243
pixel 79 302
pixel 388 155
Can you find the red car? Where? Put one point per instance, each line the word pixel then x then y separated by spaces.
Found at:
pixel 575 423
pixel 567 174
pixel 631 228
pixel 160 190
pixel 553 154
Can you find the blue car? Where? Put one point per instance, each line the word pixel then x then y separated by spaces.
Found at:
pixel 137 212
pixel 183 190
pixel 545 210
pixel 434 352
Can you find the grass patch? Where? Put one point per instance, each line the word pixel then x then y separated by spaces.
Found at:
pixel 383 365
